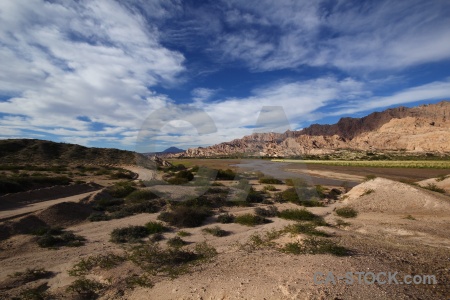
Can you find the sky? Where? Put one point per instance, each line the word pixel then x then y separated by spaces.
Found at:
pixel 163 73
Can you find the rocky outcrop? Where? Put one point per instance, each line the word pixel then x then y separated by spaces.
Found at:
pixel 425 128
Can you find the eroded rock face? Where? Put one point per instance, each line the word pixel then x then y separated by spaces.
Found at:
pixel 425 128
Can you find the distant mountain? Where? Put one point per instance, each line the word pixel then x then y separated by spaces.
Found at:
pixel 421 129
pixel 173 150
pixel 31 151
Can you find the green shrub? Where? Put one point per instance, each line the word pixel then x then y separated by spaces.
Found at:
pixel 298 195
pixel 139 196
pixel 60 239
pixel 103 261
pixel 36 293
pixel 121 189
pixel 305 228
pixel 97 217
pixel 227 174
pixel 166 262
pixel 155 227
pixel 141 281
pixel 225 218
pixel 122 175
pixel 183 233
pixel 130 234
pixel 270 188
pixel 270 180
pixel 86 288
pixel 185 174
pixel 176 242
pixel 409 217
pixel 434 188
pixel 215 231
pixel 270 212
pixel 177 181
pixel 182 216
pixel 250 220
pixel 315 246
pixel 254 196
pixel 298 215
pixel 346 212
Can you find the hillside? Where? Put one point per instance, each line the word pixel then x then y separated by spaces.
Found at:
pixel 19 151
pixel 421 129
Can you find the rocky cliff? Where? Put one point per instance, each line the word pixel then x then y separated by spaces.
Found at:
pixel 425 128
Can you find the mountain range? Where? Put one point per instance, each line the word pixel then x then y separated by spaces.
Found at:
pixel 420 129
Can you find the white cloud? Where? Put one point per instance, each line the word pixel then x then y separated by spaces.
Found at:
pixel 352 36
pixel 95 59
pixel 437 90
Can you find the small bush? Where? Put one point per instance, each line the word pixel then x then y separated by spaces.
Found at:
pixel 140 196
pixel 121 189
pixel 270 188
pixel 130 234
pixel 315 246
pixel 270 180
pixel 305 228
pixel 346 212
pixel 225 218
pixel 103 261
pixel 185 174
pixel 254 196
pixel 227 174
pixel 298 215
pixel 342 223
pixel 169 262
pixel 409 217
pixel 250 220
pixel 97 217
pixel 37 293
pixel 270 212
pixel 141 281
pixel 155 227
pixel 182 216
pixel 61 239
pixel 183 233
pixel 215 231
pixel 176 242
pixel 434 188
pixel 177 181
pixel 86 288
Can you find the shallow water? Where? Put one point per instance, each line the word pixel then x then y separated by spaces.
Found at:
pixel 276 169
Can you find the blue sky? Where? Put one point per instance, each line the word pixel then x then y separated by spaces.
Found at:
pixel 107 73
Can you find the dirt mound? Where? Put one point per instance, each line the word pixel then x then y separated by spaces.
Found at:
pixel 24 225
pixel 441 182
pixel 384 195
pixel 65 214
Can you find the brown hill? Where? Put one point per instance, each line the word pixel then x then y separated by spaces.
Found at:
pixel 18 151
pixel 421 129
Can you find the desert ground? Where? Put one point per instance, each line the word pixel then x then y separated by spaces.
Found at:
pixel 399 227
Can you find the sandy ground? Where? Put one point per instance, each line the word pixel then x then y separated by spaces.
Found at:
pixel 380 238
pixel 329 174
